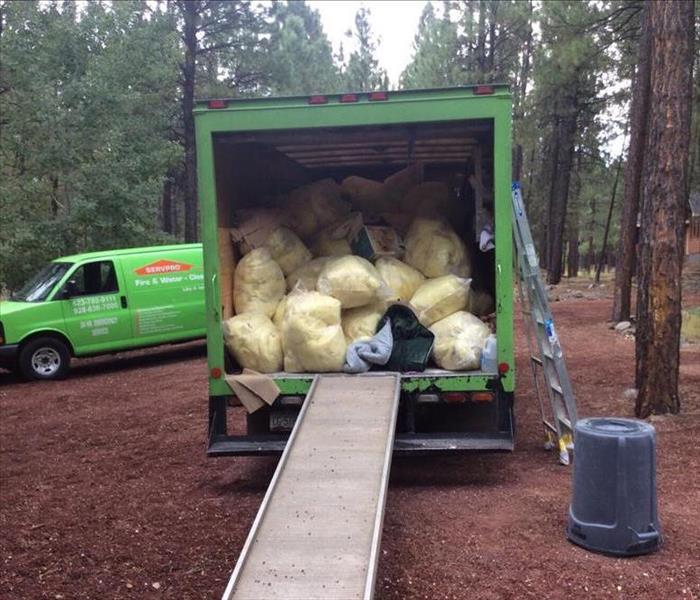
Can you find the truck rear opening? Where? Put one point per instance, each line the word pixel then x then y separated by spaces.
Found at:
pixel 250 152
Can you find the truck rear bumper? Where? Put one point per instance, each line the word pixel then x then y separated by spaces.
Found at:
pixel 466 427
pixel 8 356
pixel 413 444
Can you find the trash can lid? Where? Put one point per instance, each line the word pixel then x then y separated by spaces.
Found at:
pixel 615 427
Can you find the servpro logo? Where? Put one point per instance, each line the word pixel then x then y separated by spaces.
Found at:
pixel 163 266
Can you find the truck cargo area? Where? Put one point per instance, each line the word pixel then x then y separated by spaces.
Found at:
pixel 257 154
pixel 253 170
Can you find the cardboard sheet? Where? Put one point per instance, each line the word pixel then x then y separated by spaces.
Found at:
pixel 253 389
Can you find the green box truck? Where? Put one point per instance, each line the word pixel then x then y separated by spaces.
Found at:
pixel 251 150
pixel 102 302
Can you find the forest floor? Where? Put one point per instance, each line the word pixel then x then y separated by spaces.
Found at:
pixel 107 492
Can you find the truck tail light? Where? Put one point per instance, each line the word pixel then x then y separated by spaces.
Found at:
pixel 377 96
pixel 218 103
pixel 318 100
pixel 483 90
pixel 482 396
pixel 215 373
pixel 503 368
pixel 455 397
pixel 345 98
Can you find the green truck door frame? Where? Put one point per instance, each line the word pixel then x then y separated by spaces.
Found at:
pixel 96 314
pixel 420 106
pixel 165 294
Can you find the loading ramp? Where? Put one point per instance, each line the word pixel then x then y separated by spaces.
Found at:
pixel 318 530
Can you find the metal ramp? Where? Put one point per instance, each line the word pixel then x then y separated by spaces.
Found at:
pixel 318 530
pixel 546 356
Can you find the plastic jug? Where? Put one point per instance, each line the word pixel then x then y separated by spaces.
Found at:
pixel 488 355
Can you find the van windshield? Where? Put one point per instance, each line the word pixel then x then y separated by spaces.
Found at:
pixel 40 286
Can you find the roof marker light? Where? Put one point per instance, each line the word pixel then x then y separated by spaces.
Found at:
pixel 349 98
pixel 217 103
pixel 483 90
pixel 318 100
pixel 377 96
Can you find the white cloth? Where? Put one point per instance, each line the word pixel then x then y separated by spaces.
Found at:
pixel 486 238
pixel 376 351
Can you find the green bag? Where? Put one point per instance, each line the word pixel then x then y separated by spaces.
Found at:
pixel 412 342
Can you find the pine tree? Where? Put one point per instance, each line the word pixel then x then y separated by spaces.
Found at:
pixel 665 178
pixel 220 35
pixel 435 61
pixel 627 251
pixel 363 73
pixel 300 56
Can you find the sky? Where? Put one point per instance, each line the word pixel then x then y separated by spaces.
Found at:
pixel 394 22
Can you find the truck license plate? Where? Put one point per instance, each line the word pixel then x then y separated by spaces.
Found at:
pixel 282 420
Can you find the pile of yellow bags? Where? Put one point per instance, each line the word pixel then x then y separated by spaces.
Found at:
pixel 336 298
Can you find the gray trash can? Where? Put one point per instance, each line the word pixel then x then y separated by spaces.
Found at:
pixel 613 503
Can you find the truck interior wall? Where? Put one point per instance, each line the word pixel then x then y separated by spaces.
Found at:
pixel 255 169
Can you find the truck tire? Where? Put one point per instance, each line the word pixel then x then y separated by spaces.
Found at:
pixel 44 358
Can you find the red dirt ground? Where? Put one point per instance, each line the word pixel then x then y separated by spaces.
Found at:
pixel 106 490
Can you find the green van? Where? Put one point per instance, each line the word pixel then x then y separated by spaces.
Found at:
pixel 102 302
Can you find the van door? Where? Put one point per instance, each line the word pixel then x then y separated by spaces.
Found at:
pixel 95 308
pixel 166 290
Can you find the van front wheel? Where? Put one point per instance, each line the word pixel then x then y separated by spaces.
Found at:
pixel 44 358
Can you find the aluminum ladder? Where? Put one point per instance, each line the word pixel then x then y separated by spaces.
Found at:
pixel 318 529
pixel 544 349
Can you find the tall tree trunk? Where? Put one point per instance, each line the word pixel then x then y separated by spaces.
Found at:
pixel 663 209
pixel 517 158
pixel 167 205
pixel 521 90
pixel 599 266
pixel 590 256
pixel 625 264
pixel 481 40
pixel 566 133
pixel 573 257
pixel 491 59
pixel 190 16
pixel 548 174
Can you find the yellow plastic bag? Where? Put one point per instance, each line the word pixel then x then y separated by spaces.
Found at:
pixel 435 200
pixel 305 278
pixel 312 336
pixel 459 340
pixel 278 317
pixel 333 240
pixel 314 206
pixel 435 249
pixel 352 280
pixel 401 279
pixel 365 195
pixel 287 250
pixel 361 323
pixel 438 298
pixel 326 245
pixel 254 341
pixel 258 283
